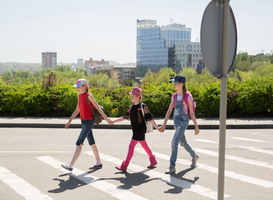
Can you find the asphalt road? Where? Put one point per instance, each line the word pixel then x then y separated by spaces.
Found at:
pixel 30 161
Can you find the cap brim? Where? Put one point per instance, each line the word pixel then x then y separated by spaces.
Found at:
pixel 173 80
pixel 135 94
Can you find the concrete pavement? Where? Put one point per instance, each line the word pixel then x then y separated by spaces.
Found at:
pixel 204 123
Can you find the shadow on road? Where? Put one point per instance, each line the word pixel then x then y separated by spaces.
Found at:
pixel 176 189
pixel 70 184
pixel 130 180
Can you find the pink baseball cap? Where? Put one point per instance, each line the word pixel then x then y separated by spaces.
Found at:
pixel 136 91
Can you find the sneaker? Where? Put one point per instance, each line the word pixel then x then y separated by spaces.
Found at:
pixel 170 170
pixel 67 167
pixel 96 167
pixel 194 160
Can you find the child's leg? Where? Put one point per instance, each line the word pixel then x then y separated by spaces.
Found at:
pixel 187 146
pixel 131 149
pixel 146 148
pixel 76 154
pixel 95 152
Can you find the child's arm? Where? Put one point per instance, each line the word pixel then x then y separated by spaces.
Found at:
pixel 117 120
pixel 146 111
pixel 94 102
pixel 75 113
pixel 193 117
pixel 155 125
pixel 168 113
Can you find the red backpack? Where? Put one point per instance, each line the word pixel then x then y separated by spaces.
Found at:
pixel 186 102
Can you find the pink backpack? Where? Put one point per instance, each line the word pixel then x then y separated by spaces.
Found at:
pixel 186 102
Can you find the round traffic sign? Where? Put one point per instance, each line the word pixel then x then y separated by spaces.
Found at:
pixel 211 38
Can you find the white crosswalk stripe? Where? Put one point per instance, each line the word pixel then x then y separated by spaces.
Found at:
pixel 21 186
pixel 236 158
pixel 206 192
pixel 250 140
pixel 206 141
pixel 91 180
pixel 260 150
pixel 230 174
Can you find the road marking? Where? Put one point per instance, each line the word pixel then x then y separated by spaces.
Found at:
pixel 207 192
pixel 251 140
pixel 236 158
pixel 256 149
pixel 230 174
pixel 22 187
pixel 31 152
pixel 207 141
pixel 91 180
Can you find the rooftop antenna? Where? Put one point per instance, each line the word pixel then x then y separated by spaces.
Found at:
pixel 262 50
pixel 171 21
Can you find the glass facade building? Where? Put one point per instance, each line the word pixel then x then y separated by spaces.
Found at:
pixel 156 45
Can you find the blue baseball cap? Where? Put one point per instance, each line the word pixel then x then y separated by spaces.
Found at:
pixel 179 78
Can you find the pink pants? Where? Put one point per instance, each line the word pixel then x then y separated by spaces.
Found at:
pixel 131 149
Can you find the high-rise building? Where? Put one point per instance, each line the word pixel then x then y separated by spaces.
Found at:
pixel 80 62
pixel 156 46
pixel 49 60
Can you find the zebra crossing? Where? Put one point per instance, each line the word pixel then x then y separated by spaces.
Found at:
pixel 30 191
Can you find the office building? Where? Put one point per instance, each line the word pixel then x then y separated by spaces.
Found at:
pixel 91 64
pixel 125 72
pixel 188 54
pixel 122 72
pixel 49 60
pixel 156 46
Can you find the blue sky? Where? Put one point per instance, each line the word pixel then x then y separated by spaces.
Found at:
pixel 106 29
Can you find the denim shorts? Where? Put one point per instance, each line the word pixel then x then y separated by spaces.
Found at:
pixel 86 131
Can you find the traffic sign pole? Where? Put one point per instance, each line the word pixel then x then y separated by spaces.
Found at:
pixel 223 98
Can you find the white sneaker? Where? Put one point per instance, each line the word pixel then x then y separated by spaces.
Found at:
pixel 194 160
pixel 67 167
pixel 170 170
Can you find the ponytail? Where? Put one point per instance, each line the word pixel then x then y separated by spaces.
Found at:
pixel 184 90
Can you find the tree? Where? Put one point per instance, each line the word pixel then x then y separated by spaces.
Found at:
pixel 149 77
pixel 164 75
pixel 115 83
pixel 188 72
pixel 271 57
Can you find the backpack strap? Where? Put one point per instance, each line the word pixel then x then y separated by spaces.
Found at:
pixel 186 97
pixel 174 96
pixel 142 109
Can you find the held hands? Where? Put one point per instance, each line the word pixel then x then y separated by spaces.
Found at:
pixel 109 121
pixel 162 128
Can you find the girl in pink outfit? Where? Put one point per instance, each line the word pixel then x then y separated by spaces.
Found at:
pixel 139 128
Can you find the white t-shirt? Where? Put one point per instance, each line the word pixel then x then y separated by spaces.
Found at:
pixel 179 98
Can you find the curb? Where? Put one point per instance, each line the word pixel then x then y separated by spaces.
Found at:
pixel 125 126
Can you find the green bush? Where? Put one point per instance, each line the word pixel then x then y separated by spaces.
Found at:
pixel 252 97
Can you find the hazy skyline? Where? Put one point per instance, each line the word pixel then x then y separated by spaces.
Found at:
pixel 107 29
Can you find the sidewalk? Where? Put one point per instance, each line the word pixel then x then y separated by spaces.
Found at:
pixel 204 123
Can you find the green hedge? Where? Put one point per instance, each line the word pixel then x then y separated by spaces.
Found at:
pixel 248 98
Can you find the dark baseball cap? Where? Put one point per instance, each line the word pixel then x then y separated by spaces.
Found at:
pixel 179 78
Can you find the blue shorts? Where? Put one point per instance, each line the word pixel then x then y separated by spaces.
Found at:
pixel 86 131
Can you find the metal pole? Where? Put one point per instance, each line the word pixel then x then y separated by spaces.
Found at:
pixel 223 99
